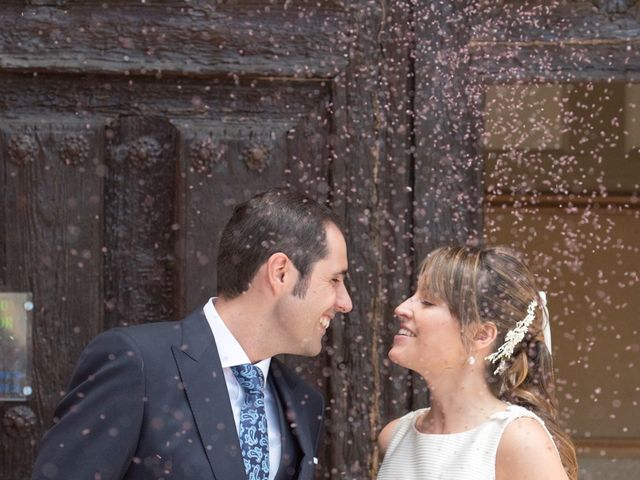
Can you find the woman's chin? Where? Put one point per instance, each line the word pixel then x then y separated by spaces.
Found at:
pixel 395 356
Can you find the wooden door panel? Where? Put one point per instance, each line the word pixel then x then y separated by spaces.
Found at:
pixel 240 161
pixel 205 103
pixel 52 206
pixel 140 220
pixel 194 38
pixel 274 135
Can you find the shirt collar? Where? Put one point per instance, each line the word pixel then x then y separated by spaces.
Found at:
pixel 230 351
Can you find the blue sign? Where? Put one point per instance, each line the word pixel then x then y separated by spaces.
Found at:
pixel 16 313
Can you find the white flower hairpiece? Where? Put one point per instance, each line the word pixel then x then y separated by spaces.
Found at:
pixel 513 338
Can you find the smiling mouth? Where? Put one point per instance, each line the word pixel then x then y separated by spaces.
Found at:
pixel 325 321
pixel 406 333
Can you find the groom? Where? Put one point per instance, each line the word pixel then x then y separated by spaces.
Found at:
pixel 203 398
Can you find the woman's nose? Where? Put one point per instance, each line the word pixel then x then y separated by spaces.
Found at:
pixel 402 309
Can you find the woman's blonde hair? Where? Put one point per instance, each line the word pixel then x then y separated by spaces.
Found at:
pixel 493 285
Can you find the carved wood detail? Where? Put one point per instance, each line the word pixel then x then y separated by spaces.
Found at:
pixel 257 158
pixel 74 150
pixel 19 421
pixel 204 153
pixel 23 149
pixel 142 153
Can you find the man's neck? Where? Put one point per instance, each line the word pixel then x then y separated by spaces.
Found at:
pixel 248 321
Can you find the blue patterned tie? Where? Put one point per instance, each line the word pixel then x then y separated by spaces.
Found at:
pixel 254 440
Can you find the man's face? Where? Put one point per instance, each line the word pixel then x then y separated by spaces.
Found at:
pixel 306 319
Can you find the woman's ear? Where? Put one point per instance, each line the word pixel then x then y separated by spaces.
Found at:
pixel 484 335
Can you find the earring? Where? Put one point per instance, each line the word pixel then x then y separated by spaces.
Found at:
pixel 471 360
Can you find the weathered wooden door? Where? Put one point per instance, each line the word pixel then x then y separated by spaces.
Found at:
pixel 126 134
pixel 129 128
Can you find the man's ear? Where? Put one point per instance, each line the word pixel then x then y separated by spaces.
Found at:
pixel 280 271
pixel 485 334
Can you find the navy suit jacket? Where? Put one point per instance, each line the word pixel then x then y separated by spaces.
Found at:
pixel 150 401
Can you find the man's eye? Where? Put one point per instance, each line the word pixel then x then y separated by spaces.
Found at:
pixel 426 303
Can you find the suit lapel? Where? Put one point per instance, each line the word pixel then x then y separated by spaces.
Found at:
pixel 296 416
pixel 289 449
pixel 203 379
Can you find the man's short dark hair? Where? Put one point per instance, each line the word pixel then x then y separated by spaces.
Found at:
pixel 278 220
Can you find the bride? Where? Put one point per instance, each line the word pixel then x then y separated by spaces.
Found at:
pixel 474 330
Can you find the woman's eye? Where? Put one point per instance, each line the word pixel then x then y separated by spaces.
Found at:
pixel 426 303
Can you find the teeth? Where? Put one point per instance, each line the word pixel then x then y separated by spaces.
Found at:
pixel 405 332
pixel 325 322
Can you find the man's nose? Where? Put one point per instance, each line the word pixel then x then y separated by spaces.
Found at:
pixel 343 301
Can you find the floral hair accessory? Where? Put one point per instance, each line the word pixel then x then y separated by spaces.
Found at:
pixel 513 338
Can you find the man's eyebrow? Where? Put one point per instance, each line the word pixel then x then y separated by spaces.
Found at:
pixel 343 273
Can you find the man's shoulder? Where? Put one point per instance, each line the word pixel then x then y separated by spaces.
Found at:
pixel 164 326
pixel 151 334
pixel 137 341
pixel 143 329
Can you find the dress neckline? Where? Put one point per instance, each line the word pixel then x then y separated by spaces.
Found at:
pixel 494 415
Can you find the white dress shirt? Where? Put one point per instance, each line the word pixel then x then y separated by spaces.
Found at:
pixel 231 354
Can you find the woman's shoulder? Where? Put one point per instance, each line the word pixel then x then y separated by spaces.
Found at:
pixel 516 421
pixel 391 428
pixel 526 446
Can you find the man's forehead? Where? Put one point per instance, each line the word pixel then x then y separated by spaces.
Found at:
pixel 331 265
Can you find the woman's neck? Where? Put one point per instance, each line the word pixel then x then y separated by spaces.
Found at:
pixel 458 403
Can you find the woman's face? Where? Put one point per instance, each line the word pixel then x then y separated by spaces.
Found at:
pixel 429 339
